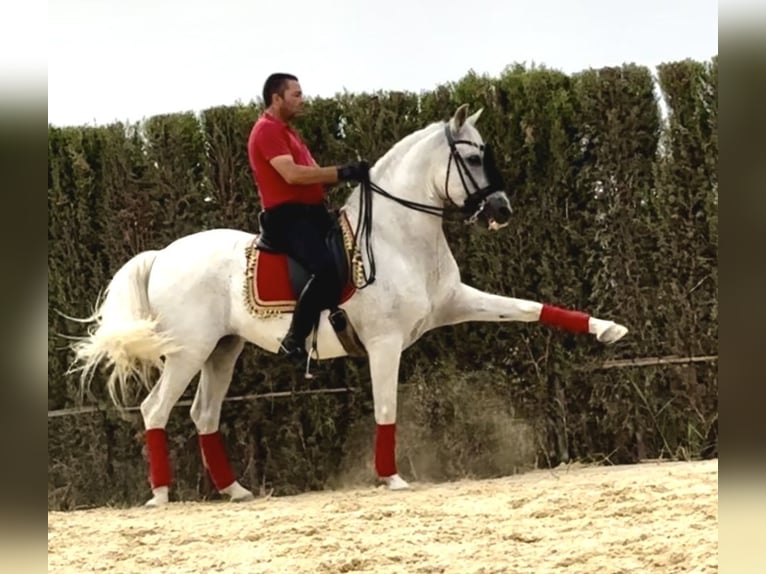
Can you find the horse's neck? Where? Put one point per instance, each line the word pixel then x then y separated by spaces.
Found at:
pixel 393 221
pixel 410 234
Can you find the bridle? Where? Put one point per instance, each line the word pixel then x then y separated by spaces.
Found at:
pixel 474 201
pixel 470 210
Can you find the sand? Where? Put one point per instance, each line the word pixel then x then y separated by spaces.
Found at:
pixel 651 517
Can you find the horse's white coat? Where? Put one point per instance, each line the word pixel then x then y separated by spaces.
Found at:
pixel 185 302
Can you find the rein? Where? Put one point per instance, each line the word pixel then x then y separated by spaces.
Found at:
pixel 471 207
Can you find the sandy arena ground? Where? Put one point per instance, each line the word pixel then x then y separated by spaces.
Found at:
pixel 652 517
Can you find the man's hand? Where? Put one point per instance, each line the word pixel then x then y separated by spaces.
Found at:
pixel 354 171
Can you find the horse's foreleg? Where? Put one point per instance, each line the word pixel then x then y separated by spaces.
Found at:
pixel 470 304
pixel 206 413
pixel 177 373
pixel 385 355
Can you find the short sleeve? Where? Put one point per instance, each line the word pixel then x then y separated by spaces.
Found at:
pixel 271 141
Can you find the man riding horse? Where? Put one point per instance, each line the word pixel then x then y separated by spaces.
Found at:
pixel 292 190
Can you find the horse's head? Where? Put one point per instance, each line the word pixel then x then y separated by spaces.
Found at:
pixel 468 175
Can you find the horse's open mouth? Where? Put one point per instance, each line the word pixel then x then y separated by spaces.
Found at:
pixel 493 225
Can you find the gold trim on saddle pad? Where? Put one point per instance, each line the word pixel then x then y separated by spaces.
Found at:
pixel 263 309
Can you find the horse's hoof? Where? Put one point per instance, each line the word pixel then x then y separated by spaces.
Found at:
pixel 612 334
pixel 396 482
pixel 160 498
pixel 238 493
pixel 249 497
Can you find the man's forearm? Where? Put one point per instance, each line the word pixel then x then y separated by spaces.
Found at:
pixel 307 175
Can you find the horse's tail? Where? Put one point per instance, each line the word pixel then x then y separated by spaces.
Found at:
pixel 124 332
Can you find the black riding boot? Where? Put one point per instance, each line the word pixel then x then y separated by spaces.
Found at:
pixel 305 315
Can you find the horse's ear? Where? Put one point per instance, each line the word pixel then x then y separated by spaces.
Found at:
pixel 459 118
pixel 472 120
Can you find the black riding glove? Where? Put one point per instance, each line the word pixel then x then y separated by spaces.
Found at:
pixel 354 171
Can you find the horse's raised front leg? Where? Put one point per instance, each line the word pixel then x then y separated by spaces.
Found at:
pixel 385 355
pixel 206 413
pixel 470 304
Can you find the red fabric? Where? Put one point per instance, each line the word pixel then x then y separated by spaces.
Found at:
pixel 574 321
pixel 159 459
pixel 385 450
pixel 215 459
pixel 272 280
pixel 270 138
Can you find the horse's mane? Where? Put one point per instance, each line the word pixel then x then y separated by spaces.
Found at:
pixel 400 148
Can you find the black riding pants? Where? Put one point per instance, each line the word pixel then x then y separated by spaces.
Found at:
pixel 301 231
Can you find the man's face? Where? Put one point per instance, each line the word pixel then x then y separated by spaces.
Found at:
pixel 291 104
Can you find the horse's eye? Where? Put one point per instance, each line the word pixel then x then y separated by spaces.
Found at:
pixel 474 160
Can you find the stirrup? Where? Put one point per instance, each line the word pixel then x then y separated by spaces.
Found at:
pixel 307 375
pixel 313 351
pixel 297 353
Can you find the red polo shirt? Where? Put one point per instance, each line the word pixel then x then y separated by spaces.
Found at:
pixel 269 138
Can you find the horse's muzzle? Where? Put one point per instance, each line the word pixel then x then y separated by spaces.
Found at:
pixel 497 210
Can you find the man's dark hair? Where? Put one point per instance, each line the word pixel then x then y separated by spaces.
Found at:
pixel 276 84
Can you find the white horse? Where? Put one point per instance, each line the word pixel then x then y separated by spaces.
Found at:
pixel 185 303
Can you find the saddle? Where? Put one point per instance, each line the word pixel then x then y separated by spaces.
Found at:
pixel 275 280
pixel 298 274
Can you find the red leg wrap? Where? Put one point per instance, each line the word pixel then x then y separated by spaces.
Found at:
pixel 159 459
pixel 574 321
pixel 385 450
pixel 215 459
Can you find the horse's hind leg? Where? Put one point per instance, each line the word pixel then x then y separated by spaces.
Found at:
pixel 206 414
pixel 177 373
